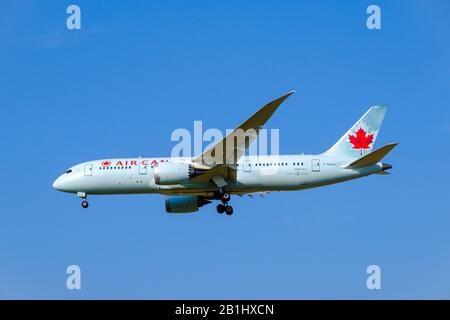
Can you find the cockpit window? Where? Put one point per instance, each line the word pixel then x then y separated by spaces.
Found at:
pixel 68 171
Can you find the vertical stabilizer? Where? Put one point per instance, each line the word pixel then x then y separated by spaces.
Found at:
pixel 359 140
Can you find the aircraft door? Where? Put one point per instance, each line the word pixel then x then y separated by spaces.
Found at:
pixel 142 168
pixel 247 166
pixel 315 165
pixel 88 169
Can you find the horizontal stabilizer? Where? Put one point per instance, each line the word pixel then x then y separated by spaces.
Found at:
pixel 372 158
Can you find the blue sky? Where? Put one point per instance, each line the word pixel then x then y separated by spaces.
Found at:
pixel 136 71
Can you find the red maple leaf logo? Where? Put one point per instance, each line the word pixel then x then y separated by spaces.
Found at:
pixel 360 140
pixel 106 163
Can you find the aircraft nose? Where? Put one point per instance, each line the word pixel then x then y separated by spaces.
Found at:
pixel 57 184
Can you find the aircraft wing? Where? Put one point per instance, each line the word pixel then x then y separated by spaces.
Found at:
pixel 230 149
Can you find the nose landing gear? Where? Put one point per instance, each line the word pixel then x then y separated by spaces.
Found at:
pixel 83 196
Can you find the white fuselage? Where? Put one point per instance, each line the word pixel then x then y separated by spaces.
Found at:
pixel 254 174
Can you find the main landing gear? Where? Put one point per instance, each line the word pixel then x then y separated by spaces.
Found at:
pixel 83 196
pixel 221 208
pixel 224 206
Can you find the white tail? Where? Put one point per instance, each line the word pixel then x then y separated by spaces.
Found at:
pixel 360 138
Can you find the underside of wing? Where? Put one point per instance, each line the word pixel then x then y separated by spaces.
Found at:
pixel 224 171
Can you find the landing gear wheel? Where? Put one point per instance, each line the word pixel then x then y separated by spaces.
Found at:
pixel 220 208
pixel 229 210
pixel 225 197
pixel 84 204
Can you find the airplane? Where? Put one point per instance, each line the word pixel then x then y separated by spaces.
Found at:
pixel 224 169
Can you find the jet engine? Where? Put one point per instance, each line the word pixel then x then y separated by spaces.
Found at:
pixel 168 173
pixel 185 204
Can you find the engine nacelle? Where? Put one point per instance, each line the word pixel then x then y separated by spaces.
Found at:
pixel 185 204
pixel 168 173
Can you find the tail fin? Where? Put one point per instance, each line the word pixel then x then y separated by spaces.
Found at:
pixel 361 137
